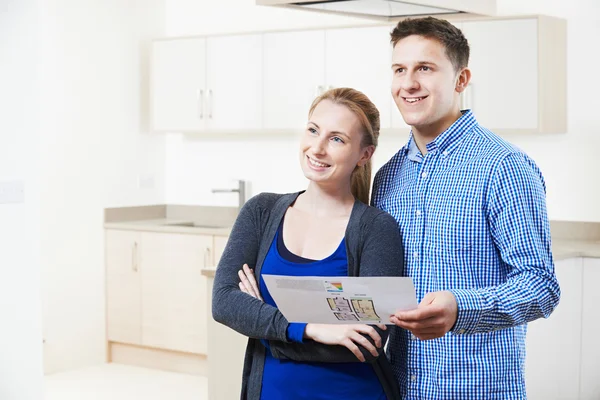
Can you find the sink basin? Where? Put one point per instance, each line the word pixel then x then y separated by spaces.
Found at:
pixel 197 225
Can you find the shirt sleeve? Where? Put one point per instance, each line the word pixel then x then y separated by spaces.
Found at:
pixel 518 222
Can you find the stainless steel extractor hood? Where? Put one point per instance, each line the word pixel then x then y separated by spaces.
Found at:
pixel 388 9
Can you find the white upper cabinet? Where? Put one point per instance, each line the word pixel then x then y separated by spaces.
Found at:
pixel 294 74
pixel 518 74
pixel 268 81
pixel 178 85
pixel 207 84
pixel 360 58
pixel 234 90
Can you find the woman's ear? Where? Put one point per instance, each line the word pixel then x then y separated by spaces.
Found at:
pixel 367 153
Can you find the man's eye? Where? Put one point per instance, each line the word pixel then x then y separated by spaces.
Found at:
pixel 425 68
pixel 399 70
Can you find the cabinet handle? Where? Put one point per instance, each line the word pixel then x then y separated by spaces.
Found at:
pixel 134 257
pixel 207 257
pixel 201 103
pixel 318 90
pixel 210 103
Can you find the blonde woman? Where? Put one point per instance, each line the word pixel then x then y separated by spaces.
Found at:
pixel 326 230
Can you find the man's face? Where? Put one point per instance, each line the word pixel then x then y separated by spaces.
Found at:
pixel 424 84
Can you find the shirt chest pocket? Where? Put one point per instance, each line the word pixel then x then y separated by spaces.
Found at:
pixel 455 224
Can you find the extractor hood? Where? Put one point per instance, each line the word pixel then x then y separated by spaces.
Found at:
pixel 389 9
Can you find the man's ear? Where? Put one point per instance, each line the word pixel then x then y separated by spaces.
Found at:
pixel 463 79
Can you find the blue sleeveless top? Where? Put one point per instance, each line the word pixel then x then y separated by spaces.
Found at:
pixel 291 380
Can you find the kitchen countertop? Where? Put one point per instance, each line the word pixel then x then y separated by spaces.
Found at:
pixel 167 225
pixel 570 239
pixel 564 248
pixel 561 250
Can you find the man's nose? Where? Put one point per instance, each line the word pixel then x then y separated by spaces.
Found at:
pixel 409 82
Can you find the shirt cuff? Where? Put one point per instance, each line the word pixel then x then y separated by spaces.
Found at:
pixel 295 332
pixel 470 311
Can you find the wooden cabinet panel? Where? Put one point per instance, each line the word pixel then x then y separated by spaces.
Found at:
pixel 123 287
pixel 554 344
pixel 174 291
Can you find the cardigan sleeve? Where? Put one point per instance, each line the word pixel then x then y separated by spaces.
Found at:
pixel 232 307
pixel 381 254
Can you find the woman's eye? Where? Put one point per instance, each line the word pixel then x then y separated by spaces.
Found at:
pixel 337 139
pixel 312 130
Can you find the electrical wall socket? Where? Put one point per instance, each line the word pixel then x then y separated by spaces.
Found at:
pixel 12 192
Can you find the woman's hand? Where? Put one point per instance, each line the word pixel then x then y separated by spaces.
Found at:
pixel 248 283
pixel 346 335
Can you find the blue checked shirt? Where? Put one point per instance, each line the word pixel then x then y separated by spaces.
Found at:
pixel 472 213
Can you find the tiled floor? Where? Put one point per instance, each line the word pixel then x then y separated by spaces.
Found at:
pixel 121 382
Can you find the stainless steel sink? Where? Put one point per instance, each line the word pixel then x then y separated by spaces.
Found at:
pixel 197 225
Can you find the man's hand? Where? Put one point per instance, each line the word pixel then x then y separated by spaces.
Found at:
pixel 433 318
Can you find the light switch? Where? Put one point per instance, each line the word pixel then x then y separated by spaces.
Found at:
pixel 12 192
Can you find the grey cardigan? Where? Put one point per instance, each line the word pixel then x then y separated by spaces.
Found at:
pixel 374 248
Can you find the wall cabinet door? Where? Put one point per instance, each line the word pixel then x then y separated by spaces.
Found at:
pixel 234 76
pixel 294 74
pixel 174 297
pixel 519 74
pixel 554 344
pixel 178 85
pixel 360 58
pixel 590 354
pixel 123 287
pixel 504 88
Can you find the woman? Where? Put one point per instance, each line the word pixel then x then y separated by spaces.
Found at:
pixel 326 230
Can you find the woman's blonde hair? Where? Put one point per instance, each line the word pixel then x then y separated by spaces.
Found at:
pixel 368 115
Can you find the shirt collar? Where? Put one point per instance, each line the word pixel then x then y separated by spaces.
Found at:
pixel 447 141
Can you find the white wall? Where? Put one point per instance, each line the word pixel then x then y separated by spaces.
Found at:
pixel 94 146
pixel 20 311
pixel 568 160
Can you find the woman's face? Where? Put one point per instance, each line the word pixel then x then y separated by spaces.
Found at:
pixel 331 146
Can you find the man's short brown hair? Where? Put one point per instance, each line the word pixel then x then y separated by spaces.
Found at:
pixel 453 40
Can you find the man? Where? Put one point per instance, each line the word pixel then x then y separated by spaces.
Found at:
pixel 472 211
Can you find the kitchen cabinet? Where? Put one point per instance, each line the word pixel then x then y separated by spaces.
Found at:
pixel 225 357
pixel 156 294
pixel 174 297
pixel 553 346
pixel 123 287
pixel 590 355
pixel 178 85
pixel 294 74
pixel 200 84
pixel 518 74
pixel 234 82
pixel 361 58
pixel 267 82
